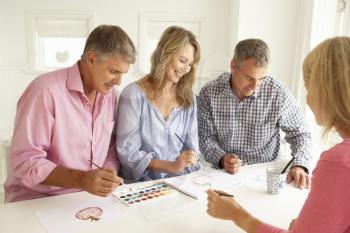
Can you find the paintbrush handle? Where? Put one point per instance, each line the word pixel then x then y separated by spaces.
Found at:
pixel 95 165
pixel 101 169
pixel 224 194
pixel 183 143
pixel 285 168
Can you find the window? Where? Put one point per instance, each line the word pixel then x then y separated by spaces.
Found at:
pixel 56 39
pixel 343 17
pixel 153 24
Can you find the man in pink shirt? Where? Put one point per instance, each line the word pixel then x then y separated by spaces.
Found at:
pixel 64 123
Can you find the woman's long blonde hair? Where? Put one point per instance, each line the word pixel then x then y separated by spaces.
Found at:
pixel 172 41
pixel 327 78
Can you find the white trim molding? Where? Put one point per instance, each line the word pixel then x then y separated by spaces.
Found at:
pixel 53 23
pixel 152 24
pixel 343 17
pixel 302 48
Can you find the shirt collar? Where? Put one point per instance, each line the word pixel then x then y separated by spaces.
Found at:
pixel 74 81
pixel 227 86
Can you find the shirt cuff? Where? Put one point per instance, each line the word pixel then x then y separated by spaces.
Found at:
pixel 214 157
pixel 141 168
pixel 302 167
pixel 301 163
pixel 264 228
pixel 38 173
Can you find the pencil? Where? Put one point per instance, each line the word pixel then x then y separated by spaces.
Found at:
pixel 223 194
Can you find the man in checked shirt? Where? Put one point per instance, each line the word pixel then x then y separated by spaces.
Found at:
pixel 241 112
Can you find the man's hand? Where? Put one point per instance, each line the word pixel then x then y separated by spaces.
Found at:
pixel 98 182
pixel 101 182
pixel 230 163
pixel 300 177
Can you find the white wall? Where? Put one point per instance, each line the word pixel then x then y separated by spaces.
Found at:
pixel 275 22
pixel 15 73
pixel 227 21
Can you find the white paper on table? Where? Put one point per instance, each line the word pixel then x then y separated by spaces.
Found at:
pixel 197 183
pixel 64 219
pixel 256 179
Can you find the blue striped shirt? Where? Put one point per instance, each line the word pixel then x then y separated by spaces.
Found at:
pixel 143 134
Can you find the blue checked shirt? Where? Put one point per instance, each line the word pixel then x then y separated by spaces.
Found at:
pixel 250 128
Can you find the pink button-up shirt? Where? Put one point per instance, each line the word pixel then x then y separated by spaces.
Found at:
pixel 55 125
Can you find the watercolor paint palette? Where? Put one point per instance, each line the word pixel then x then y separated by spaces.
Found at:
pixel 145 194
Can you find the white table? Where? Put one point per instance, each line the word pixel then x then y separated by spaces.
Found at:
pixel 251 193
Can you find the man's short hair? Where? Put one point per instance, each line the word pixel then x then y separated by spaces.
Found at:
pixel 109 40
pixel 252 48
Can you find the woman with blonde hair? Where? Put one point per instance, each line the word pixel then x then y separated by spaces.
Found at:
pixel 327 208
pixel 157 133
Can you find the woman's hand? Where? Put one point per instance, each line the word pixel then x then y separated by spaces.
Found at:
pixel 227 208
pixel 220 206
pixel 186 159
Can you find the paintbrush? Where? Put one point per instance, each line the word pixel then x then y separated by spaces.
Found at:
pixel 186 148
pixel 183 143
pixel 101 168
pixel 95 164
pixel 285 168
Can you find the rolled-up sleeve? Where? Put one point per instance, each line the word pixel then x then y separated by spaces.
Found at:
pixel 31 138
pixel 192 131
pixel 297 131
pixel 128 132
pixel 208 140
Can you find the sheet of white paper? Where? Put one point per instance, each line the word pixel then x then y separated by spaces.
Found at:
pixel 256 179
pixel 197 183
pixel 64 219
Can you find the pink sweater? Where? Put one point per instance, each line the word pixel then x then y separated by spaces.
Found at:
pixel 327 208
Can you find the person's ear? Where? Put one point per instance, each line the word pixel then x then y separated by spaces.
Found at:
pixel 91 58
pixel 233 65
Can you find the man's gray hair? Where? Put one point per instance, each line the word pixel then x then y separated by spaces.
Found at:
pixel 252 48
pixel 109 40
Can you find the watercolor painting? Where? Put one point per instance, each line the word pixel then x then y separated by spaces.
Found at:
pixel 92 213
pixel 197 183
pixel 80 215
